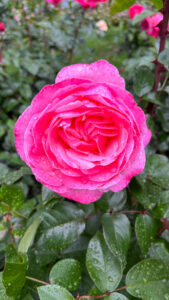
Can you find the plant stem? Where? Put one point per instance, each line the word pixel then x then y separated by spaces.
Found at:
pixel 76 33
pixel 106 294
pixel 163 36
pixel 37 280
pixel 144 212
pixel 164 83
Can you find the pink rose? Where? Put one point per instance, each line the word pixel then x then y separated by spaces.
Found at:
pixel 2 27
pixel 84 135
pixel 135 10
pixel 54 2
pixel 150 24
pixel 90 3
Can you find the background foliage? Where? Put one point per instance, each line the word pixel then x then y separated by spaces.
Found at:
pixel 54 248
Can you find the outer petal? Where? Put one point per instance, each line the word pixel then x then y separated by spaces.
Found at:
pixel 81 196
pixel 99 71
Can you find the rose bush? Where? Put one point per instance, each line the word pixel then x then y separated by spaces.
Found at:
pixel 84 135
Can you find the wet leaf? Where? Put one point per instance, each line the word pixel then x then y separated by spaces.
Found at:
pixel 28 236
pixel 149 280
pixel 116 231
pixel 12 177
pixel 2 290
pixel 146 230
pixel 103 267
pixel 60 227
pixel 115 296
pixel 143 81
pixel 11 198
pixel 114 201
pixel 159 250
pixel 67 273
pixel 14 272
pixel 54 292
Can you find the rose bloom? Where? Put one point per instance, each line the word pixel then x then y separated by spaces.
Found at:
pixel 149 24
pixel 135 10
pixel 102 25
pixel 54 2
pixel 2 27
pixel 90 3
pixel 84 135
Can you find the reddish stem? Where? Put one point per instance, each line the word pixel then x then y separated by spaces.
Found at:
pixel 144 212
pixel 164 227
pixel 163 36
pixel 106 294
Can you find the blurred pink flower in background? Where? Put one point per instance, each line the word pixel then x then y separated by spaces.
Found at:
pixel 54 2
pixel 135 10
pixel 2 27
pixel 102 25
pixel 90 3
pixel 150 24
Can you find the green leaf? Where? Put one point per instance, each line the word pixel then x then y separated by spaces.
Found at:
pixel 54 292
pixel 2 290
pixel 116 231
pixel 28 297
pixel 114 201
pixel 11 198
pixel 147 195
pixel 163 58
pixel 103 267
pixel 27 208
pixel 31 66
pixel 163 114
pixel 157 170
pixel 28 237
pixel 14 176
pixel 152 184
pixel 115 296
pixel 67 273
pixel 14 272
pixel 48 194
pixel 143 81
pixel 118 6
pixel 149 279
pixel 159 250
pixel 62 227
pixel 158 3
pixel 146 229
pixel 3 170
pixel 26 91
pixel 153 98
